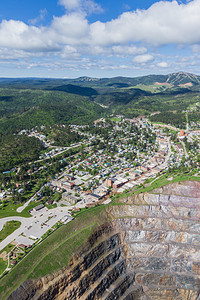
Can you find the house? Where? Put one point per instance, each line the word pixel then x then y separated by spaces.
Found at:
pixel 180 147
pixel 182 134
pixel 76 209
pixel 13 262
pixel 22 246
pixel 49 202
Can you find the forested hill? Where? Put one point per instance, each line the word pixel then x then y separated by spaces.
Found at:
pixel 28 102
pixel 171 80
pixel 26 108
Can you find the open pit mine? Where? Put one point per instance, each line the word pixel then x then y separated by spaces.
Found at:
pixel 148 249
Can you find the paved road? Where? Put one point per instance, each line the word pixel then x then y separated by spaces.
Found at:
pixel 58 153
pixel 12 236
pixel 34 225
pixel 166 126
pixel 21 208
pixel 185 151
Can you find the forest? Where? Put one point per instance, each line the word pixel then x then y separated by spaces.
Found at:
pixel 27 103
pixel 18 149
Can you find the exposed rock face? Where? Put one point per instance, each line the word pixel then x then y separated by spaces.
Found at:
pixel 151 250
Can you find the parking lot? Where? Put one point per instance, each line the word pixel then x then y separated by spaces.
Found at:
pixel 41 222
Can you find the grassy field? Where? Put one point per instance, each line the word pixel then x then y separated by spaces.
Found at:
pixel 161 181
pixel 10 210
pixel 8 248
pixel 3 265
pixel 54 252
pixel 149 88
pixel 115 119
pixel 9 228
pixel 164 180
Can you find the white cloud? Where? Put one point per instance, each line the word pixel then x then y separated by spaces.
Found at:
pixel 85 6
pixel 69 29
pixel 41 17
pixel 128 50
pixel 91 6
pixel 143 59
pixel 70 4
pixel 163 64
pixel 72 36
pixel 16 34
pixel 163 23
pixel 15 54
pixel 69 52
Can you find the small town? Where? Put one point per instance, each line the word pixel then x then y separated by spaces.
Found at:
pixel 111 157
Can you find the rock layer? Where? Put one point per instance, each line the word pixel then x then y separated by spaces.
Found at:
pixel 150 250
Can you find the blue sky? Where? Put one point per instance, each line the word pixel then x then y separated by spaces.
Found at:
pixel 72 38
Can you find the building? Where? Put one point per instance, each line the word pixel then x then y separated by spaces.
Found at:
pixel 38 207
pixel 13 262
pixel 68 185
pixel 69 198
pixel 69 177
pixel 110 181
pixel 182 134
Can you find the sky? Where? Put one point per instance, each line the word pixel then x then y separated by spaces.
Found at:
pixel 102 38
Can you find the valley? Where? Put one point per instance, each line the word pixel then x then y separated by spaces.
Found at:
pixel 74 150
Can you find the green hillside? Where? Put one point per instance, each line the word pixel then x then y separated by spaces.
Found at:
pixel 29 102
pixel 26 108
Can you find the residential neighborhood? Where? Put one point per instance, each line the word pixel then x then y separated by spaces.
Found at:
pixel 112 157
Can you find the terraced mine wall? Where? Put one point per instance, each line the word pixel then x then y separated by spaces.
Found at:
pixel 150 249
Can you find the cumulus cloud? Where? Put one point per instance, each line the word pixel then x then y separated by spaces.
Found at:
pixel 69 51
pixel 85 6
pixel 69 29
pixel 70 4
pixel 163 64
pixel 127 37
pixel 16 34
pixel 163 23
pixel 143 59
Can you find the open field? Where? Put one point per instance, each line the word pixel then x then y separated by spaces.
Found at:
pixel 8 228
pixel 10 210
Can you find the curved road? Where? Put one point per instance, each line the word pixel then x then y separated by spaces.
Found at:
pixel 12 236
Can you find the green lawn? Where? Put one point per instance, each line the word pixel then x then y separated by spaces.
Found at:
pixel 8 248
pixel 3 265
pixel 115 119
pixel 11 210
pixel 9 228
pixel 54 205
